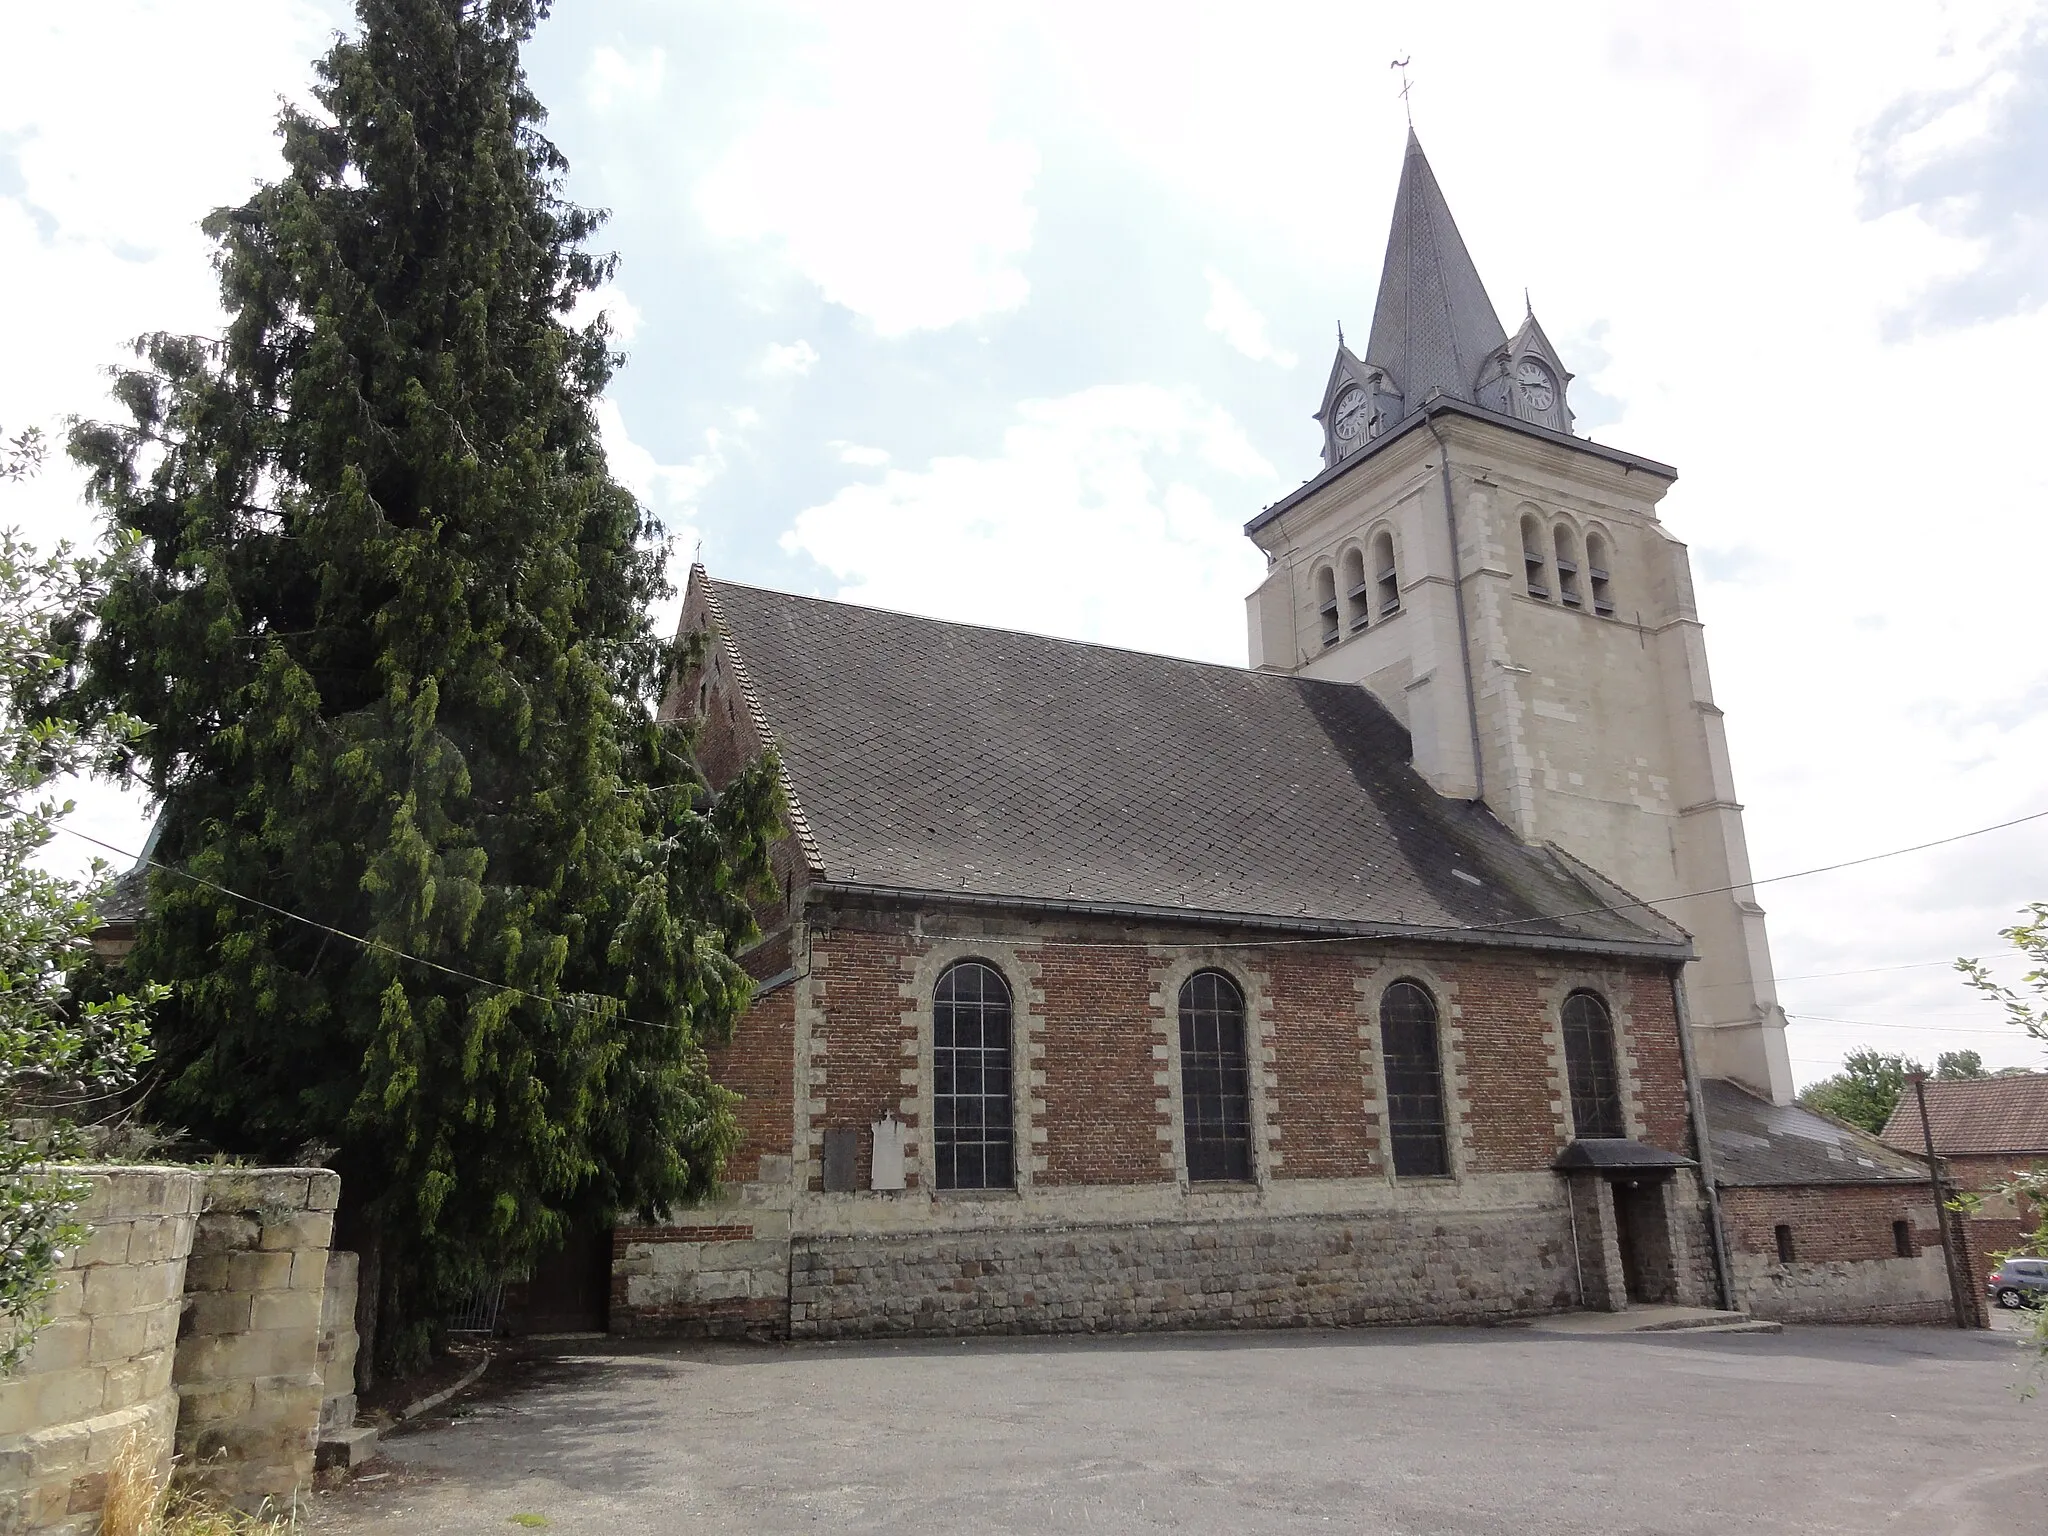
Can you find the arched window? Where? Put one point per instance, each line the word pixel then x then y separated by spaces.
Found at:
pixel 1355 590
pixel 1385 577
pixel 1567 568
pixel 1589 1064
pixel 1597 577
pixel 1535 563
pixel 1415 1081
pixel 1326 605
pixel 971 1139
pixel 1215 1087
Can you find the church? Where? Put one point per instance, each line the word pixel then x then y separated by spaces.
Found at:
pixel 1409 974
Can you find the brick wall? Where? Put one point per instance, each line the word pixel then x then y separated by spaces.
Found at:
pixel 1102 1096
pixel 1510 1115
pixel 1984 1174
pixel 1641 999
pixel 864 1033
pixel 1846 1267
pixel 1105 1013
pixel 759 1064
pixel 1328 1098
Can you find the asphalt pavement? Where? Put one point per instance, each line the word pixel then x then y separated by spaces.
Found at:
pixel 1475 1431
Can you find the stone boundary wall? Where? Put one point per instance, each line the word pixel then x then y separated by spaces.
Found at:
pixel 101 1367
pixel 338 1343
pixel 248 1371
pixel 1286 1272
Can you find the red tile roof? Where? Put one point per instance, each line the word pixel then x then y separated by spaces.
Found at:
pixel 1988 1114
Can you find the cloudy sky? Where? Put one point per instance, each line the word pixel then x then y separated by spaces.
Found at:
pixel 1016 312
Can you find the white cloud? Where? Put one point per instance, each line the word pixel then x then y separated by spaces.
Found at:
pixel 1232 317
pixel 855 453
pixel 611 302
pixel 790 360
pixel 883 179
pixel 1099 518
pixel 670 490
pixel 613 79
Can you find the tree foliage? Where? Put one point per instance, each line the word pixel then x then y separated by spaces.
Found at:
pixel 61 1055
pixel 1959 1066
pixel 436 887
pixel 1865 1091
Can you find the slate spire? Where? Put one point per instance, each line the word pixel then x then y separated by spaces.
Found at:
pixel 1433 327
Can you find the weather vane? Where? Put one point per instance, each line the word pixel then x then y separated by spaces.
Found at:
pixel 1407 107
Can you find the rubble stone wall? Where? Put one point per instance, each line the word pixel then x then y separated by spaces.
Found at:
pixel 1380 1267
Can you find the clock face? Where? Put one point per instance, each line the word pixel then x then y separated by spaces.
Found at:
pixel 1351 414
pixel 1538 387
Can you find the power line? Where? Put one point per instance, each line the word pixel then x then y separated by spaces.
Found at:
pixel 377 945
pixel 1867 970
pixel 1797 874
pixel 1931 1029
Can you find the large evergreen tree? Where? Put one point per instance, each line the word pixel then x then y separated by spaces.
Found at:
pixel 436 887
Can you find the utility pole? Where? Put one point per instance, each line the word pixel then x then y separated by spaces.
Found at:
pixel 1964 1313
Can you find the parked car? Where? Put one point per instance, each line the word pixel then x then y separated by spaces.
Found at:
pixel 2019 1283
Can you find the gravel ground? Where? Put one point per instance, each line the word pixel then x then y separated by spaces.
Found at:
pixel 1408 1431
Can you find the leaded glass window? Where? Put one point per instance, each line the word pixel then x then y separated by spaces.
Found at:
pixel 1589 1064
pixel 1215 1087
pixel 1415 1081
pixel 971 1136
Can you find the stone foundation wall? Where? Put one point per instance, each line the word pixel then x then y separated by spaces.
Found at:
pixel 1289 1272
pixel 101 1367
pixel 249 1372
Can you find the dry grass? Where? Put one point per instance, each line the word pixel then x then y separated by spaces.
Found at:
pixel 137 1505
pixel 134 1499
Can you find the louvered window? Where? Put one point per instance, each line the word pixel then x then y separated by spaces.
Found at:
pixel 1326 606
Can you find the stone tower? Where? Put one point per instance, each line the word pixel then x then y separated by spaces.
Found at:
pixel 1506 589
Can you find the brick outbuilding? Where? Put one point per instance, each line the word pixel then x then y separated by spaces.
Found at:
pixel 1986 1130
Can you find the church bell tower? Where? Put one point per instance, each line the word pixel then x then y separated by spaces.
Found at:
pixel 1504 586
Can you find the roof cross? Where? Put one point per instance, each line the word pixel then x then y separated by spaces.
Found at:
pixel 1406 106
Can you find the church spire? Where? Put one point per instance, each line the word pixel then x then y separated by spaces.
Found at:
pixel 1433 327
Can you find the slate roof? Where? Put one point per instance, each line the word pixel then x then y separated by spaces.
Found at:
pixel 1757 1142
pixel 947 758
pixel 1976 1115
pixel 1433 325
